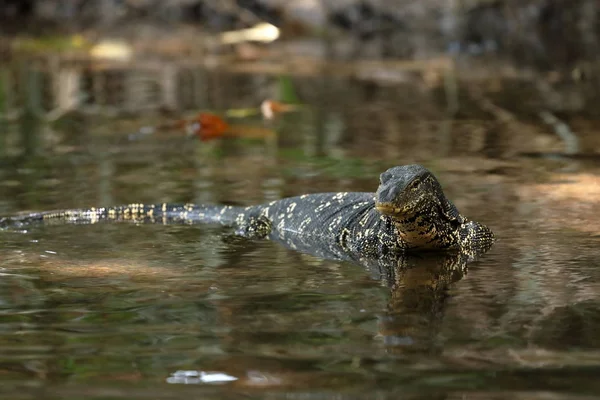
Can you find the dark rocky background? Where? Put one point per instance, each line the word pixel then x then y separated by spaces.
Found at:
pixel 540 33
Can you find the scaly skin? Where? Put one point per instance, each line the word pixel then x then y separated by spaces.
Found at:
pixel 409 211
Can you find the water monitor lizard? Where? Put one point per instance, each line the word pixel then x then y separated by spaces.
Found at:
pixel 409 211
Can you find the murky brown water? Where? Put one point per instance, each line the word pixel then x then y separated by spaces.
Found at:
pixel 172 312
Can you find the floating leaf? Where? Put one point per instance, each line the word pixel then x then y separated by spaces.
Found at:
pixel 263 32
pixel 209 126
pixel 270 108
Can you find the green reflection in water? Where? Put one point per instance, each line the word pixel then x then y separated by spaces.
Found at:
pixel 3 109
pixel 30 120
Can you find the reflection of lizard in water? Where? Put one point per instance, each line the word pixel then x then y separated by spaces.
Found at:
pixel 381 231
pixel 419 285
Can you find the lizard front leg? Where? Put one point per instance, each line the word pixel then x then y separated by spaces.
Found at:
pixel 255 227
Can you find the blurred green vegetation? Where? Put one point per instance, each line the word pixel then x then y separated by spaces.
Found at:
pixel 3 110
pixel 50 43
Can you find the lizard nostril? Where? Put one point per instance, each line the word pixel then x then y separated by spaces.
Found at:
pixel 386 194
pixel 383 178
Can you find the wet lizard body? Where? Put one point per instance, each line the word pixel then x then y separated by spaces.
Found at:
pixel 408 211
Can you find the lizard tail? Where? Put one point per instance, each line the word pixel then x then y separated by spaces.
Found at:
pixel 141 213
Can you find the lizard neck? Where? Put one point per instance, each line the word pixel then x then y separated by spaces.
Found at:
pixel 428 230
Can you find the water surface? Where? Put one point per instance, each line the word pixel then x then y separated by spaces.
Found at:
pixel 127 311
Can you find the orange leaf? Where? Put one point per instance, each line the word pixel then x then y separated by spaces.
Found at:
pixel 209 126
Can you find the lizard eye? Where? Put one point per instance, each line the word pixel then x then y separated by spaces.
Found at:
pixel 413 185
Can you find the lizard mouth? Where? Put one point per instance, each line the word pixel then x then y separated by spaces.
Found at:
pixel 389 209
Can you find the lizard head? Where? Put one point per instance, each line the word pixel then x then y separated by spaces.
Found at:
pixel 413 198
pixel 408 190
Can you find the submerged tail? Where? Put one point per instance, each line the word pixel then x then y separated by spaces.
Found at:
pixel 142 213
